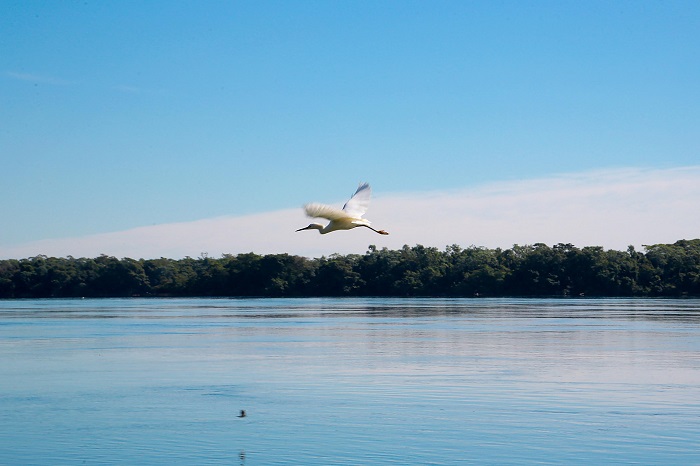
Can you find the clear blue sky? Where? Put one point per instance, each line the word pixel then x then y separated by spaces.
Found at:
pixel 117 114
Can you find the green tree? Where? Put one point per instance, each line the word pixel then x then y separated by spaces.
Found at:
pixel 336 276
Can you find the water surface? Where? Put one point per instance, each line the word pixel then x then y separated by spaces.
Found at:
pixel 350 381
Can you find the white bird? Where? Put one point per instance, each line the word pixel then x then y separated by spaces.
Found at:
pixel 348 218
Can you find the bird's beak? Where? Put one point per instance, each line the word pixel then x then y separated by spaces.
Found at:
pixel 302 229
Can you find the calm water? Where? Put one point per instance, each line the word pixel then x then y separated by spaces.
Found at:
pixel 349 381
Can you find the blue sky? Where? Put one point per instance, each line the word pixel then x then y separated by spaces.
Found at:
pixel 119 115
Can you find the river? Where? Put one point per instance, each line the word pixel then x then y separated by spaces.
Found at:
pixel 350 381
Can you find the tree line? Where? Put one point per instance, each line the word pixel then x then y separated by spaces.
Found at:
pixel 532 270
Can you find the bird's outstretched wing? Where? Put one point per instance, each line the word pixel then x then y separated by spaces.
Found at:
pixel 324 211
pixel 359 202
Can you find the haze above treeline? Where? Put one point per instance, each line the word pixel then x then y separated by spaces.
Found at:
pixel 671 270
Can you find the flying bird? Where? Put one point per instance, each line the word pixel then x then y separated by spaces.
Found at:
pixel 348 218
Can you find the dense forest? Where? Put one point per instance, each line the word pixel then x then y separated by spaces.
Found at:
pixel 532 270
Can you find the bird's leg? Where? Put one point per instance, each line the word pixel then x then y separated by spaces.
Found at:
pixel 381 232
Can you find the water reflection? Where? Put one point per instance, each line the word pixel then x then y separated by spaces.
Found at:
pixel 686 309
pixel 350 381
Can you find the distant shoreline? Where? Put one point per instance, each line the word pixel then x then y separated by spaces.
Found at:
pixel 538 270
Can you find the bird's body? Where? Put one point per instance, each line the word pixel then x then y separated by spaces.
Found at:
pixel 346 219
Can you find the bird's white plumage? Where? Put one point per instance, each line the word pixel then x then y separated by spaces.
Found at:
pixel 316 210
pixel 355 208
pixel 347 218
pixel 359 202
